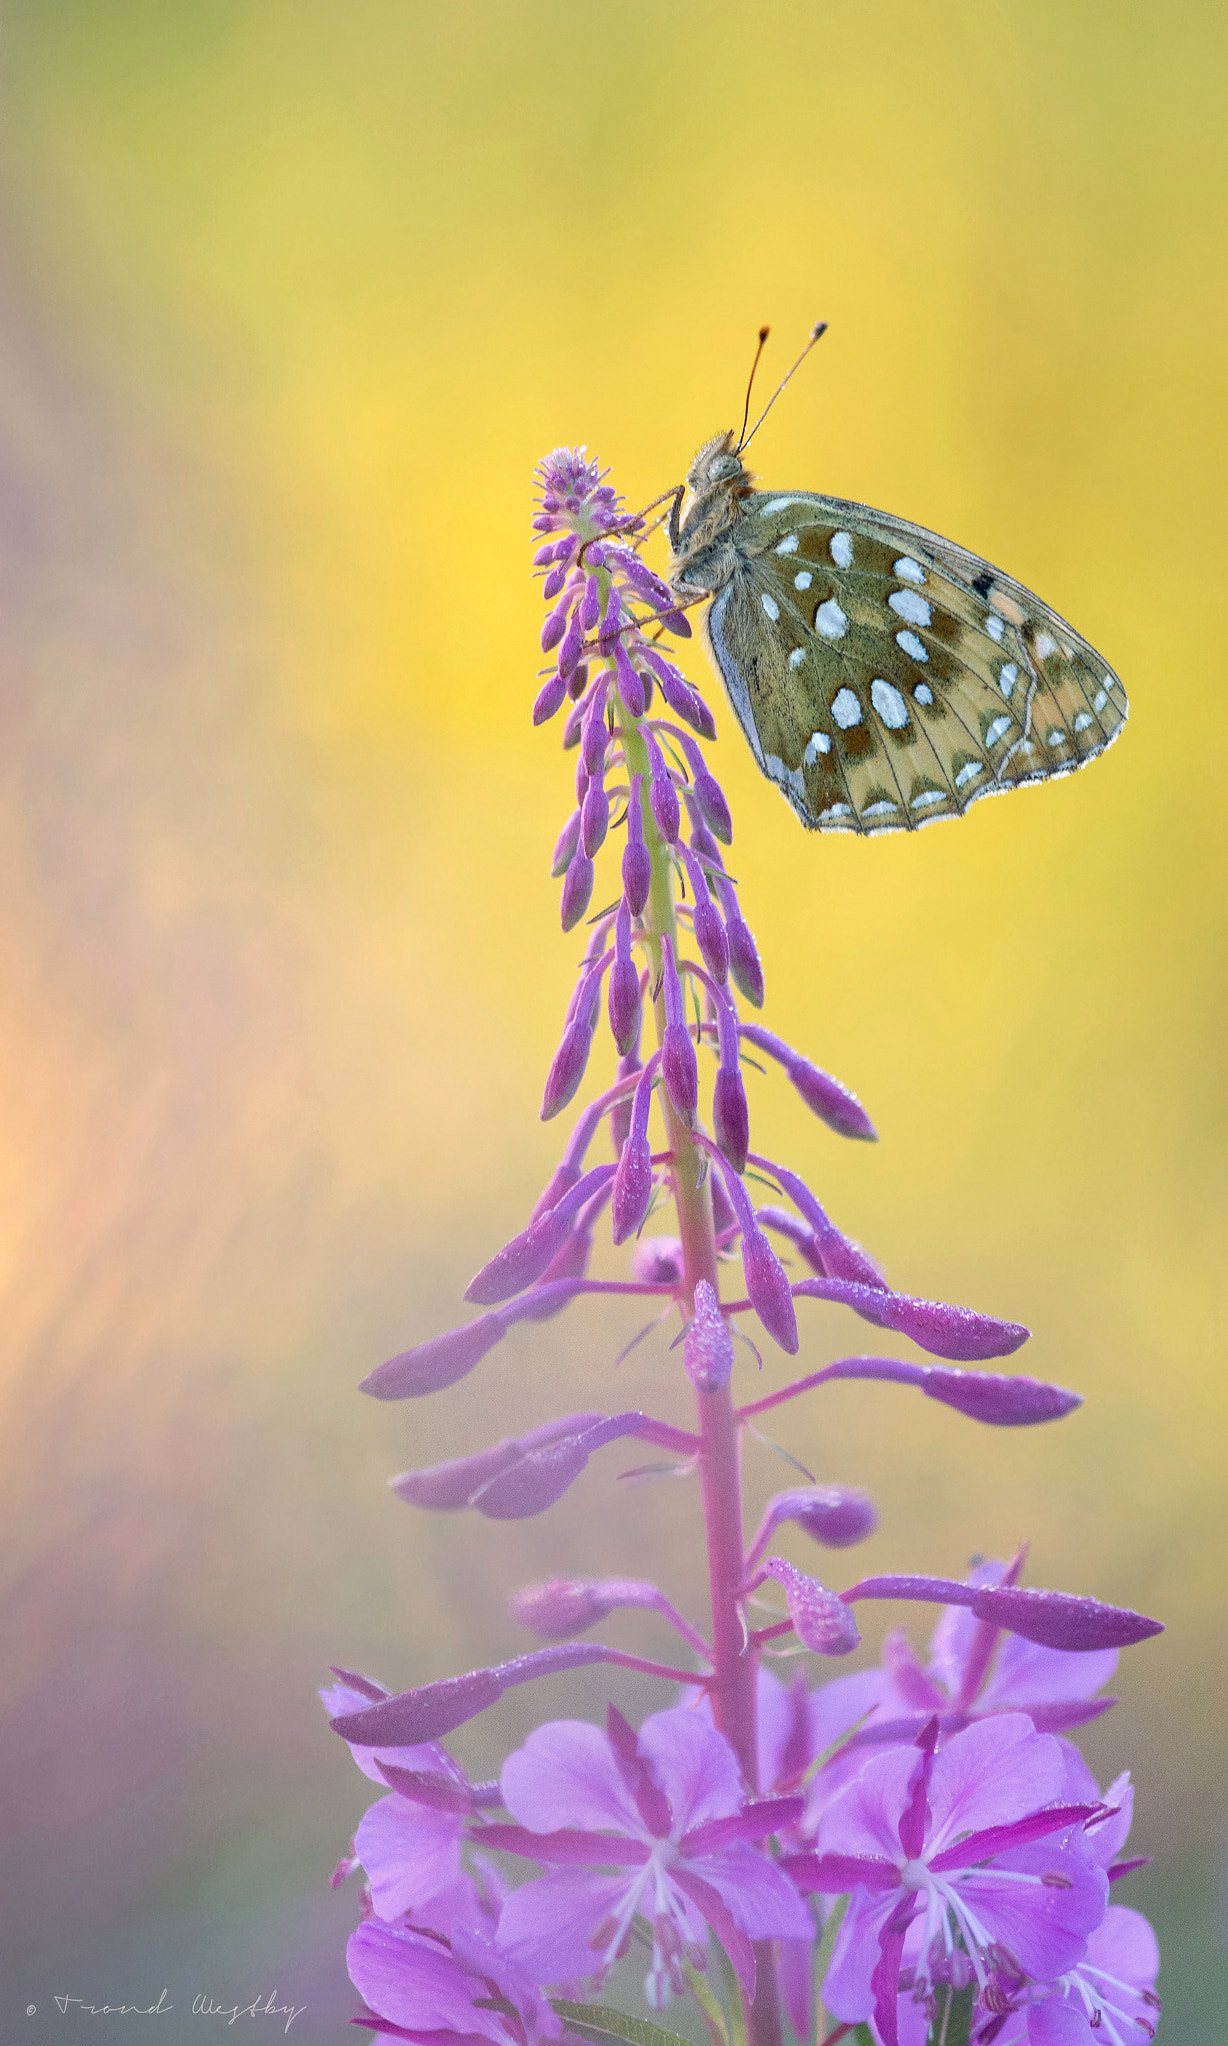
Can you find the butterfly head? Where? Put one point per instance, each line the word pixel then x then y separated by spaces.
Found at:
pixel 718 466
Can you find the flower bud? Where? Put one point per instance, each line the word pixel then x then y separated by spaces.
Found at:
pixel 768 1286
pixel 624 1008
pixel 590 603
pixel 594 739
pixel 657 1261
pixel 594 818
pixel 620 1114
pixel 730 1116
pixel 836 1515
pixel 577 890
pixel 559 1607
pixel 825 1097
pixel 633 1178
pixel 570 645
pixel 611 621
pixel 707 1349
pixel 821 1621
pixel 567 1068
pixel 525 1257
pixel 575 720
pixel 662 795
pixel 565 846
pixel 550 698
pixel 706 920
pixel 630 681
pixel 430 1366
pixel 555 625
pixel 637 861
pixel 679 1066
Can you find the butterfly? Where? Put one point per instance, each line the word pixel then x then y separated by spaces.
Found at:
pixel 883 676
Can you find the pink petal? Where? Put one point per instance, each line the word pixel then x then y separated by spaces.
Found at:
pixel 994 1771
pixel 415 1982
pixel 761 1900
pixel 565 1776
pixel 410 1854
pixel 547 1926
pixel 865 1818
pixel 1027 1674
pixel 1044 1926
pixel 694 1765
pixel 846 1986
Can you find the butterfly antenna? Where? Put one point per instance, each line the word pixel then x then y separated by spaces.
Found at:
pixel 747 438
pixel 750 381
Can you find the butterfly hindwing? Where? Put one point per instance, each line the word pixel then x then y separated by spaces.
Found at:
pixel 885 676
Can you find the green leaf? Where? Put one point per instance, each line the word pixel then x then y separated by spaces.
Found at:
pixel 612 2027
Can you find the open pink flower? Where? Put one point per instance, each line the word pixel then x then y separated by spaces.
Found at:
pixel 666 1817
pixel 963 1850
pixel 1108 1998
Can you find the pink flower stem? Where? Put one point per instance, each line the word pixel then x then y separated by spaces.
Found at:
pixel 732 1683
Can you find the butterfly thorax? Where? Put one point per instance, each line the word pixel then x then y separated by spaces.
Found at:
pixel 704 514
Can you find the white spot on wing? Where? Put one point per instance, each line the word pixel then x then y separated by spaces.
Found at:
pixel 1056 737
pixel 923 693
pixel 1081 720
pixel 912 645
pixel 788 545
pixel 907 604
pixel 780 503
pixel 846 709
pixel 1045 646
pixel 840 546
pixel 908 570
pixel 968 772
pixel 803 579
pixel 769 604
pixel 819 743
pixel 830 620
pixel 1007 677
pixel 883 808
pixel 998 730
pixel 889 704
pixel 1100 699
pixel 928 796
pixel 995 627
pixel 837 810
pixel 797 657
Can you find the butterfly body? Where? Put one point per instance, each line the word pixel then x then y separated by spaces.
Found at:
pixel 883 676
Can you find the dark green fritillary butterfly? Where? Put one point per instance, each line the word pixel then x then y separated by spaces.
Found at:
pixel 883 676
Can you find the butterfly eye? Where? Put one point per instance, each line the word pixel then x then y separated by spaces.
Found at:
pixel 724 467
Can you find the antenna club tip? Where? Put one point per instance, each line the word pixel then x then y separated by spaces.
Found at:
pixel 820 329
pixel 763 334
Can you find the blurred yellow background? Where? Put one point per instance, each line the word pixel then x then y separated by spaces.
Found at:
pixel 295 296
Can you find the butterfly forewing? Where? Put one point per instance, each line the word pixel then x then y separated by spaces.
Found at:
pixel 885 676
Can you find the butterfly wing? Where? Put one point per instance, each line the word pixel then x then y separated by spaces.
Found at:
pixel 885 676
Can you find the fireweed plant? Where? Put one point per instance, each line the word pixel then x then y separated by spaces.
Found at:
pixel 912 1853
